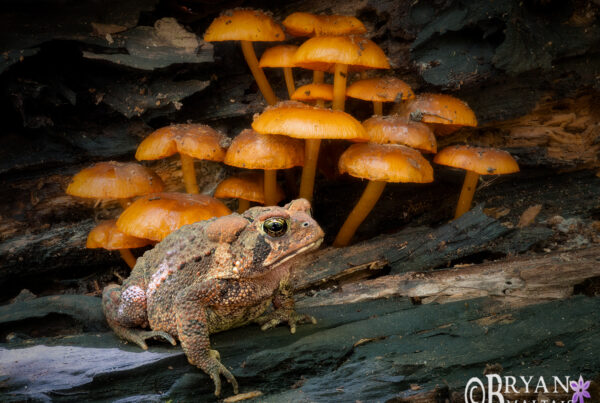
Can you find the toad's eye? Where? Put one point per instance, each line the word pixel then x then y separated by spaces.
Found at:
pixel 275 226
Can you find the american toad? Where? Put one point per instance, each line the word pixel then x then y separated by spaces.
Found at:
pixel 212 276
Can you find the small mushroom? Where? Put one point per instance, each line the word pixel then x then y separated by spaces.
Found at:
pixel 394 129
pixel 379 163
pixel 476 161
pixel 246 187
pixel 156 215
pixel 114 180
pixel 379 90
pixel 106 235
pixel 281 56
pixel 190 141
pixel 314 92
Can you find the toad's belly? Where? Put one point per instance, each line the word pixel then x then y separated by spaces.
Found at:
pixel 224 318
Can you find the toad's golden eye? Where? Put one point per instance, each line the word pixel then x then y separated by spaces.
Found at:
pixel 275 226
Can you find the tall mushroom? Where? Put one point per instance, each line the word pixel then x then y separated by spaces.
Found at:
pixel 299 120
pixel 246 187
pixel 379 90
pixel 281 56
pixel 379 163
pixel 323 52
pixel 106 235
pixel 190 141
pixel 476 161
pixel 252 150
pixel 248 26
pixel 114 180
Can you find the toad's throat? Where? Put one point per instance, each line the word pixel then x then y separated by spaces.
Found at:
pixel 311 246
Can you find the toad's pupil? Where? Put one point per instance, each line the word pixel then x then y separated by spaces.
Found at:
pixel 276 226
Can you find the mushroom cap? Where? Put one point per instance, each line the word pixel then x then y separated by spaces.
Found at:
pixel 321 52
pixel 385 162
pixel 278 56
pixel 481 160
pixel 247 186
pixel 307 24
pixel 383 89
pixel 296 119
pixel 114 180
pixel 313 92
pixel 106 235
pixel 252 150
pixel 196 140
pixel 244 25
pixel 156 215
pixel 445 112
pixel 394 129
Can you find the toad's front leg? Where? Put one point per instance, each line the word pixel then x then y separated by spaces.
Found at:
pixel 284 311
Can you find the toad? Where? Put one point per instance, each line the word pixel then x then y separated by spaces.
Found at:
pixel 212 276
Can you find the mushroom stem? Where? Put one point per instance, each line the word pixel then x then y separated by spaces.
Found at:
pixel 128 257
pixel 359 212
pixel 339 86
pixel 466 194
pixel 243 205
pixel 289 80
pixel 258 73
pixel 318 77
pixel 378 108
pixel 189 173
pixel 311 155
pixel 270 187
pixel 125 202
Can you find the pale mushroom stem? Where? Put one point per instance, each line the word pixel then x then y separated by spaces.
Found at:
pixel 378 108
pixel 359 212
pixel 189 173
pixel 258 73
pixel 125 202
pixel 311 155
pixel 339 86
pixel 466 194
pixel 289 80
pixel 270 187
pixel 318 77
pixel 243 205
pixel 128 257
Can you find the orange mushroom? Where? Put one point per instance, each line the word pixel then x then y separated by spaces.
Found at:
pixel 190 141
pixel 106 235
pixel 246 187
pixel 252 150
pixel 379 163
pixel 444 113
pixel 156 215
pixel 281 56
pixel 114 180
pixel 379 90
pixel 394 129
pixel 323 52
pixel 299 120
pixel 247 26
pixel 476 161
pixel 314 92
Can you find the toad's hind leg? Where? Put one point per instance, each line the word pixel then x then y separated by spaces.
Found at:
pixel 125 310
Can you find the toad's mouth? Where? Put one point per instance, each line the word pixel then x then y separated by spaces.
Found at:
pixel 311 246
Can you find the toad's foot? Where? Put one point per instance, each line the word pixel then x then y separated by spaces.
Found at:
pixel 139 337
pixel 290 316
pixel 213 367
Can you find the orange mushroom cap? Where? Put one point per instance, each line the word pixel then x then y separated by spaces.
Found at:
pixel 445 112
pixel 396 129
pixel 481 160
pixel 248 186
pixel 106 235
pixel 156 215
pixel 296 119
pixel 278 56
pixel 244 25
pixel 196 140
pixel 253 150
pixel 321 52
pixel 384 89
pixel 114 180
pixel 306 24
pixel 385 162
pixel 313 92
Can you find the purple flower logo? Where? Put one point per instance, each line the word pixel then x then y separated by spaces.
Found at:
pixel 580 388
